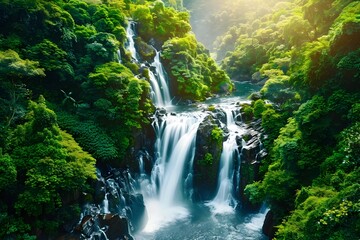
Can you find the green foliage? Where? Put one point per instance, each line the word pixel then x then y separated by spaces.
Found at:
pixel 208 160
pixel 217 135
pixel 7 172
pixel 279 187
pixel 14 226
pixel 195 74
pixel 211 108
pixel 272 121
pixel 345 29
pixel 13 66
pixel 51 57
pixel 247 112
pixel 254 192
pixel 15 71
pixel 127 94
pixel 259 108
pixel 47 164
pixel 245 60
pixel 102 48
pixel 160 22
pixel 354 113
pixel 325 213
pixel 90 136
pixel 337 214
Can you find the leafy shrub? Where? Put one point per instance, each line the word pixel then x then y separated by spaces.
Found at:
pixel 90 136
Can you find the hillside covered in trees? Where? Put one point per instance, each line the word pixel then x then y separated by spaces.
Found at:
pixel 72 98
pixel 307 54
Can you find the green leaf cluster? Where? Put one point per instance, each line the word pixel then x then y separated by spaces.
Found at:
pixel 157 21
pixel 311 173
pixel 44 165
pixel 67 51
pixel 194 73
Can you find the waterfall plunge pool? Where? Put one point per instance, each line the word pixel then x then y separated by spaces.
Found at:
pixel 199 222
pixel 208 220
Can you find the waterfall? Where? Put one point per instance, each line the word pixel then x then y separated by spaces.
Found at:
pixel 175 146
pixel 130 46
pixel 158 79
pixel 168 190
pixel 119 55
pixel 175 150
pixel 159 84
pixel 105 204
pixel 224 201
pixel 141 165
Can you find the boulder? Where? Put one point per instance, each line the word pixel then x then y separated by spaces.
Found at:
pixel 99 188
pixel 137 211
pixel 268 227
pixel 116 227
pixel 112 225
pixel 206 160
pixel 146 51
pixel 251 155
pixel 219 114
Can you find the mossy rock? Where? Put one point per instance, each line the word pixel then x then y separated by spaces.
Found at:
pixel 207 158
pixel 146 51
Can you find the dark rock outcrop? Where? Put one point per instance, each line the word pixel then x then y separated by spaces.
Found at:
pixel 268 227
pixel 206 160
pixel 118 208
pixel 252 153
pixel 104 226
pixel 146 51
pixel 136 211
pixel 99 188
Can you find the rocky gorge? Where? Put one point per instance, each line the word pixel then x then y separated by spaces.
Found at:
pixel 192 153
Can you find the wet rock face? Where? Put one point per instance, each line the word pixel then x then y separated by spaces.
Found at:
pixel 104 226
pixel 146 51
pixel 206 160
pixel 116 210
pixel 268 227
pixel 252 153
pixel 136 211
pixel 144 140
pixel 99 188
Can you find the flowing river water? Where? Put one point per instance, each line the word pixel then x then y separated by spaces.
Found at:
pixel 167 191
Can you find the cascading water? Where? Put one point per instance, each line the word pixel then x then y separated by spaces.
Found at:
pixel 158 80
pixel 130 46
pixel 178 146
pixel 171 214
pixel 168 190
pixel 159 84
pixel 224 201
pixel 105 205
pixel 119 56
pixel 175 147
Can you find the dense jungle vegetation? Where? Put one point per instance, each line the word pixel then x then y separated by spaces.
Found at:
pixel 307 53
pixel 67 104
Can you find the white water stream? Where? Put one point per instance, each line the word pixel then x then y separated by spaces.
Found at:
pixel 166 190
pixel 159 84
pixel 175 148
pixel 130 45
